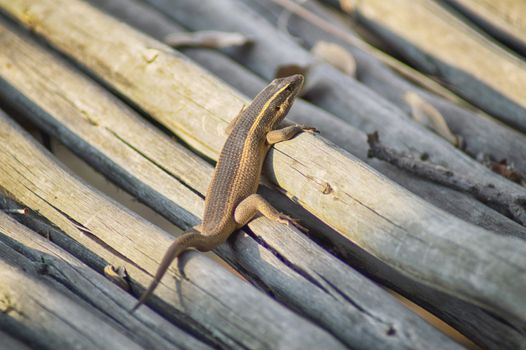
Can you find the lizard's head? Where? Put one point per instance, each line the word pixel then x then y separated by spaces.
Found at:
pixel 282 92
pixel 292 83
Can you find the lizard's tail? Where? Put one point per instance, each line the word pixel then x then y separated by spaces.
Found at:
pixel 190 239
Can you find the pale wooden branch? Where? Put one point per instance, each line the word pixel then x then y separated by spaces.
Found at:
pixel 54 316
pixel 503 20
pixel 453 57
pixel 200 299
pixel 461 259
pixel 465 317
pixel 480 133
pixel 487 331
pixel 344 135
pixel 326 86
pixel 59 271
pixel 300 273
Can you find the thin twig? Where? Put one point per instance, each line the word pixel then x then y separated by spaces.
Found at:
pixel 513 206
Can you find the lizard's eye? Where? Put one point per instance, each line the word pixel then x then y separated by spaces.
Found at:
pixel 278 108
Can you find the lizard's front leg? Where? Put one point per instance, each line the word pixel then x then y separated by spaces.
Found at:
pixel 255 203
pixel 287 133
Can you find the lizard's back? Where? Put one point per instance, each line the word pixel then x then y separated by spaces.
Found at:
pixel 236 175
pixel 238 169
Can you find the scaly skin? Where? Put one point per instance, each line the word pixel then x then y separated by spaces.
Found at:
pixel 231 200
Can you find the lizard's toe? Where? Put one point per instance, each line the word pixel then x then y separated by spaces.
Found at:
pixel 309 129
pixel 287 220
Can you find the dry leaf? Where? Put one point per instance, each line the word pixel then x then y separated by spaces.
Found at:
pixel 427 115
pixel 206 39
pixel 335 55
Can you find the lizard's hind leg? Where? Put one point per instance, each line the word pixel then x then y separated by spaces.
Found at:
pixel 255 203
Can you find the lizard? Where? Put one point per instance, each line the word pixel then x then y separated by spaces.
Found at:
pixel 231 200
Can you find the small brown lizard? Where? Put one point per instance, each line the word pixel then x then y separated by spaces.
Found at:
pixel 231 200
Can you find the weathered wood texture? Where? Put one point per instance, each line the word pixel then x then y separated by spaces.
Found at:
pixel 455 257
pixel 398 66
pixel 53 317
pixel 481 135
pixel 344 135
pixel 9 341
pixel 329 88
pixel 200 300
pixel 441 45
pixel 466 318
pixel 504 20
pixel 483 328
pixel 469 320
pixel 296 270
pixel 56 277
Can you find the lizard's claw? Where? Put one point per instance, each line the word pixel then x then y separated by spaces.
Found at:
pixel 287 220
pixel 309 129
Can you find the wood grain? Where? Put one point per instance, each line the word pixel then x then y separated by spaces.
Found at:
pixel 297 271
pixel 11 342
pixel 200 299
pixel 438 43
pixel 503 20
pixel 455 257
pixel 327 87
pixel 481 134
pixel 60 276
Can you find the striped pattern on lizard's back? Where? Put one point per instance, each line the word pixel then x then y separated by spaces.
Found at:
pixel 230 201
pixel 238 169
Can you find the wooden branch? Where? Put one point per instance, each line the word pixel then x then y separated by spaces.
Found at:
pixel 327 87
pixel 480 134
pixel 452 57
pixel 501 19
pixel 200 299
pixel 400 133
pixel 461 259
pixel 286 262
pixel 344 135
pixel 486 193
pixel 465 317
pixel 53 316
pixel 57 272
pixel 10 342
pixel 483 328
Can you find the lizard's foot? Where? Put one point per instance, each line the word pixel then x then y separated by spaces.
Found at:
pixel 287 220
pixel 309 129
